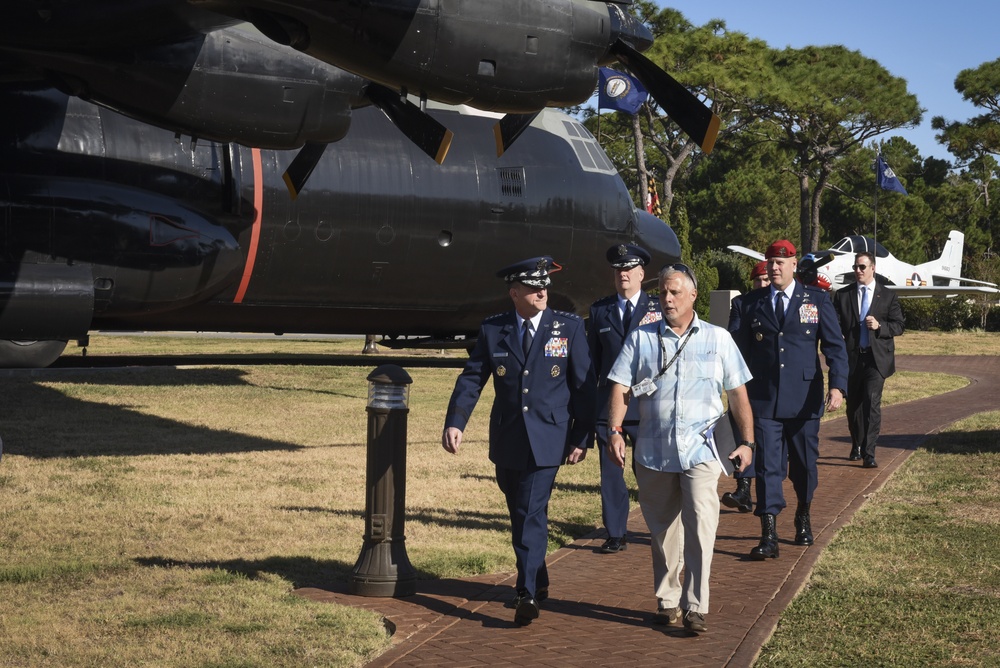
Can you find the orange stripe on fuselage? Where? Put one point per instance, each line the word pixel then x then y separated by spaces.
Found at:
pixel 258 205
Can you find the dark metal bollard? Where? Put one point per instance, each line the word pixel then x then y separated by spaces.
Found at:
pixel 383 568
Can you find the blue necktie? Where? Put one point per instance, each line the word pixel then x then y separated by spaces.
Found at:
pixel 779 309
pixel 627 316
pixel 864 312
pixel 526 338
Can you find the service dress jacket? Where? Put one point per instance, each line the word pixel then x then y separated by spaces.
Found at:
pixel 605 335
pixel 545 405
pixel 787 374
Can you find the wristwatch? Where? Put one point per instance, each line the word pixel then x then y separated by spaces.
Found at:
pixel 749 444
pixel 615 430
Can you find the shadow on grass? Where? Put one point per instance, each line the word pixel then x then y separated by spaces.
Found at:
pixel 964 442
pixel 42 422
pixel 456 519
pixel 560 486
pixel 300 571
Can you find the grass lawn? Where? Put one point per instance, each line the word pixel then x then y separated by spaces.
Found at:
pixel 163 516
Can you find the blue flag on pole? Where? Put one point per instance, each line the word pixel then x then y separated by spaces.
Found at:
pixel 619 91
pixel 885 178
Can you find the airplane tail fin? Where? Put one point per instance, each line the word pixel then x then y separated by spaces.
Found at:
pixel 947 269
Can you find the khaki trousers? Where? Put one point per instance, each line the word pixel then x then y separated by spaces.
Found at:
pixel 682 513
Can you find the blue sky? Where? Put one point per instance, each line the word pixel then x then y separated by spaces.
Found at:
pixel 926 43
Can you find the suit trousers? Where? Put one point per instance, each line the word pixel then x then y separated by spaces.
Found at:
pixel 527 493
pixel 614 492
pixel 864 403
pixel 785 448
pixel 682 513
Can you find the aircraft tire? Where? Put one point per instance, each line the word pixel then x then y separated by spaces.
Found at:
pixel 29 354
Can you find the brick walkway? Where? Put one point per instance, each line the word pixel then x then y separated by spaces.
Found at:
pixel 601 605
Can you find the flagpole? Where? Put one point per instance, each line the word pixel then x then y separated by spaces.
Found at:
pixel 875 233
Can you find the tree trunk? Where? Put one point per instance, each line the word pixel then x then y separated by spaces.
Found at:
pixel 640 161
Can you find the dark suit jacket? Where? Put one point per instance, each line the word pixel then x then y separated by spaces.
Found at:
pixel 886 309
pixel 544 405
pixel 787 375
pixel 605 336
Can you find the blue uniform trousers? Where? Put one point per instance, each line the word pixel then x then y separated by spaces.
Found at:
pixel 527 493
pixel 615 499
pixel 785 448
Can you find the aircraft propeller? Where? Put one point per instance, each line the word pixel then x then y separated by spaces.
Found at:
pixel 693 117
pixel 430 136
pixel 808 268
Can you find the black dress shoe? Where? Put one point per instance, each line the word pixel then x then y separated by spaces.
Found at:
pixel 869 463
pixel 613 545
pixel 855 454
pixel 541 594
pixel 527 611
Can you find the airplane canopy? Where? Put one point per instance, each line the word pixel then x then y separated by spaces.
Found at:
pixel 857 244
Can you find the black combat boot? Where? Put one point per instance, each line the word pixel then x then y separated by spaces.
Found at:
pixel 768 547
pixel 741 498
pixel 803 530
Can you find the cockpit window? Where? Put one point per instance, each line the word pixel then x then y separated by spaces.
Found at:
pixel 590 154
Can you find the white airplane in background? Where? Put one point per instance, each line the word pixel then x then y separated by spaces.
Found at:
pixel 832 268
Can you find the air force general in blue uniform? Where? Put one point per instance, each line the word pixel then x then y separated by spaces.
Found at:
pixel 543 413
pixel 611 320
pixel 779 329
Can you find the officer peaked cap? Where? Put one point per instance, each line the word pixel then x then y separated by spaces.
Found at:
pixel 533 272
pixel 626 256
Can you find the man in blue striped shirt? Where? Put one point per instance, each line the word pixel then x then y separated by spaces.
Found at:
pixel 677 369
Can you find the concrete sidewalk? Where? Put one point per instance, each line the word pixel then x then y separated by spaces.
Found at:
pixel 600 606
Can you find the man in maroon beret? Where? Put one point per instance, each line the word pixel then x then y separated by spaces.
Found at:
pixel 779 329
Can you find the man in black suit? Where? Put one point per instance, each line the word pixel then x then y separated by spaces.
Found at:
pixel 542 417
pixel 611 319
pixel 870 316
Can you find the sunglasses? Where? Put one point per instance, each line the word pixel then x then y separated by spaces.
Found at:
pixel 859 267
pixel 684 269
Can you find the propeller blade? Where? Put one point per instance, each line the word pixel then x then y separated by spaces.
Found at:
pixel 510 128
pixel 430 136
pixel 693 117
pixel 302 167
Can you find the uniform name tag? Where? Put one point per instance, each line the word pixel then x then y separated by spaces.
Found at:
pixel 556 347
pixel 603 329
pixel 499 354
pixel 808 313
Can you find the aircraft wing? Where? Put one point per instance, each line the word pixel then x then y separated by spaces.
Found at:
pixel 915 292
pixel 746 251
pixel 966 280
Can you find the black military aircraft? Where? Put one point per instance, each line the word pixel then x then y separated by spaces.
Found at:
pixel 113 224
pixel 182 65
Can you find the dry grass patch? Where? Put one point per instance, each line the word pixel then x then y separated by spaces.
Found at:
pixel 948 343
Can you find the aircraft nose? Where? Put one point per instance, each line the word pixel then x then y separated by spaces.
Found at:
pixel 656 236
